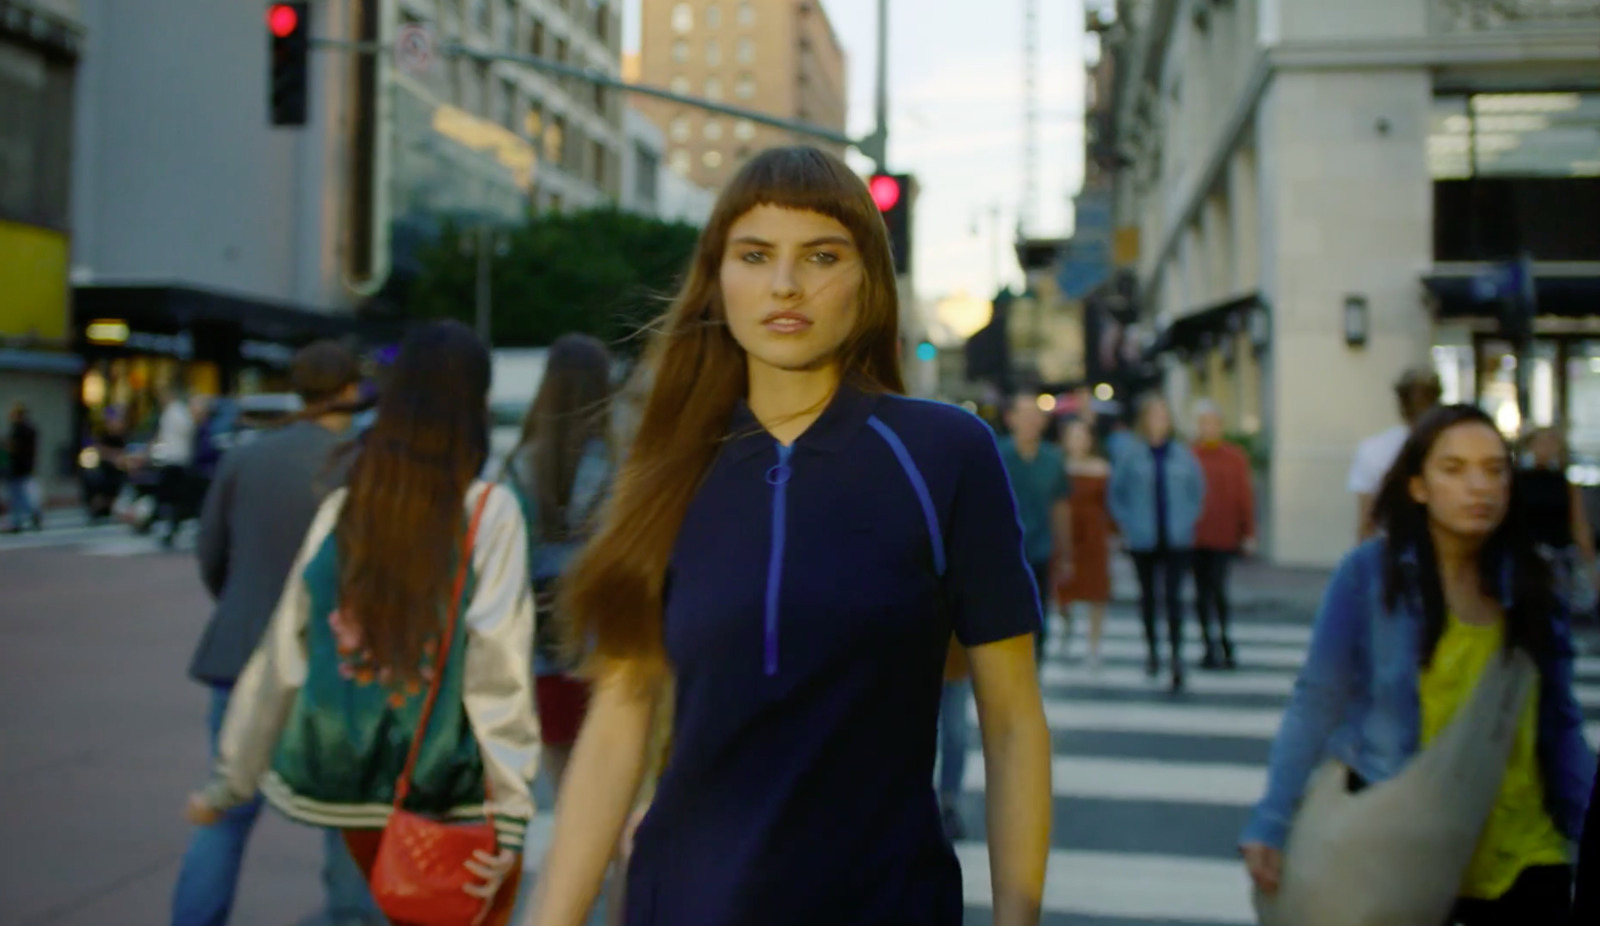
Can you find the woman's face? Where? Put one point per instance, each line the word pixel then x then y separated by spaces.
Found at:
pixel 1080 443
pixel 791 282
pixel 1157 423
pixel 1466 480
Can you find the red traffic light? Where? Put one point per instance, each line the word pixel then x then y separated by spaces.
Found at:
pixel 282 20
pixel 885 192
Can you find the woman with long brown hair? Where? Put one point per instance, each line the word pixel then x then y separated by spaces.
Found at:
pixel 327 712
pixel 794 543
pixel 561 470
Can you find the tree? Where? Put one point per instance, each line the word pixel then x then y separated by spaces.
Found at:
pixel 602 272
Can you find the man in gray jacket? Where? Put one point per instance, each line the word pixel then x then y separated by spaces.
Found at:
pixel 256 515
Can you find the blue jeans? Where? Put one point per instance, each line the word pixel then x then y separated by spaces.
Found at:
pixel 954 731
pixel 21 501
pixel 210 873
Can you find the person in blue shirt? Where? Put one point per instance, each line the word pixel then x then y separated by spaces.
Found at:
pixel 1156 493
pixel 1038 473
pixel 794 543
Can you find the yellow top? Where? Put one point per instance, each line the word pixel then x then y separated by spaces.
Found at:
pixel 1520 833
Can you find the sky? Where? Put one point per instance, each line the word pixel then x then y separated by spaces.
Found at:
pixel 956 104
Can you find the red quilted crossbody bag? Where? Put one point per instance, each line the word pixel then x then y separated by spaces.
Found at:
pixel 420 873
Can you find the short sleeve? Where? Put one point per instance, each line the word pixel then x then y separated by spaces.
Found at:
pixel 989 585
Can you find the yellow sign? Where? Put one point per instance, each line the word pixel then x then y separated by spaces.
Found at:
pixel 508 148
pixel 33 264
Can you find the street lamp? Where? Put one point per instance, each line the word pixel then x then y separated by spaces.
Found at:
pixel 1356 321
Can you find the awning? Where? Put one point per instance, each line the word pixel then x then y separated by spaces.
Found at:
pixel 1569 296
pixel 1190 331
pixel 172 309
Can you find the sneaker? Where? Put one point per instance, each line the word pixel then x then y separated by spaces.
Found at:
pixel 1210 662
pixel 1177 681
pixel 1227 655
pixel 1152 666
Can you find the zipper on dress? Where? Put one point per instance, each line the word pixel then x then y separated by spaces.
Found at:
pixel 778 478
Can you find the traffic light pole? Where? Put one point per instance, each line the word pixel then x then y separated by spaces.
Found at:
pixel 866 146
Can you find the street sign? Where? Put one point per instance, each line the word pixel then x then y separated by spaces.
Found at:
pixel 413 49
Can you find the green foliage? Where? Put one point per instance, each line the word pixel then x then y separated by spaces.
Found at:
pixel 602 272
pixel 1254 447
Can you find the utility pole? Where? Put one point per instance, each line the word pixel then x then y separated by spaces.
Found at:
pixel 880 137
pixel 485 265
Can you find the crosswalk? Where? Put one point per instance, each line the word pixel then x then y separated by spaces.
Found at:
pixel 1151 788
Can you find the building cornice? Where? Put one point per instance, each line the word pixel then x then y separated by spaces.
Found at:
pixel 1544 46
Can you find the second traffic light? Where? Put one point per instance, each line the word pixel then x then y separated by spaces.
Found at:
pixel 289 60
pixel 893 194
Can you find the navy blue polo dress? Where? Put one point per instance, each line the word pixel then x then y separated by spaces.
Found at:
pixel 810 600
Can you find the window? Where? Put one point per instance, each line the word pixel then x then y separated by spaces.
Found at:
pixel 508 104
pixel 744 130
pixel 601 99
pixel 681 162
pixel 745 88
pixel 747 14
pixel 746 51
pixel 1515 135
pixel 680 85
pixel 480 86
pixel 597 161
pixel 572 153
pixel 561 51
pixel 713 16
pixel 712 159
pixel 682 18
pixel 713 88
pixel 645 168
pixel 533 122
pixel 480 15
pixel 680 51
pixel 536 38
pixel 713 130
pixel 602 23
pixel 680 129
pixel 510 13
pixel 713 54
pixel 555 139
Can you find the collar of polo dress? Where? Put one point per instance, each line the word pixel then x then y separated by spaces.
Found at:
pixel 846 414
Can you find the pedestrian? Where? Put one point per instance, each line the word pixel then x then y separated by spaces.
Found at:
pixel 1038 474
pixel 1226 530
pixel 1156 494
pixel 1409 624
pixel 173 454
pixel 396 664
pixel 1417 391
pixel 793 543
pixel 561 471
pixel 22 458
pixel 251 527
pixel 1557 520
pixel 1089 579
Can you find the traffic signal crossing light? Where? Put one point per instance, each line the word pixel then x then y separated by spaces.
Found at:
pixel 893 194
pixel 289 53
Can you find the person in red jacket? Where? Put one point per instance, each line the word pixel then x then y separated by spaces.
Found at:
pixel 1227 528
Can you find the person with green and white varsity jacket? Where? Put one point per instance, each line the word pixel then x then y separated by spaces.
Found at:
pixel 324 715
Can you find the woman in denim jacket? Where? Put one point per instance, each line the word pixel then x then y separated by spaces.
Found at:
pixel 1156 493
pixel 1406 626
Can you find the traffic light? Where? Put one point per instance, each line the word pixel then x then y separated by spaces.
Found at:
pixel 893 194
pixel 289 52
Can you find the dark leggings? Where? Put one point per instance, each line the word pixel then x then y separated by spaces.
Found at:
pixel 1171 564
pixel 1211 593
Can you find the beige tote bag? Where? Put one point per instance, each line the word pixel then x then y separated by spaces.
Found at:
pixel 1395 854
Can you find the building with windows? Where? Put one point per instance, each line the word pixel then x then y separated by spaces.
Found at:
pixel 1306 192
pixel 780 57
pixel 40 45
pixel 649 186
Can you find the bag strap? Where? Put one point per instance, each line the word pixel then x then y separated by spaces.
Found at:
pixel 403 785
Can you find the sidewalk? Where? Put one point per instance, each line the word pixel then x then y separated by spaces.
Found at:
pixel 1256 586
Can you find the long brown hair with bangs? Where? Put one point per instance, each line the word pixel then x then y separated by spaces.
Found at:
pixel 402 526
pixel 613 593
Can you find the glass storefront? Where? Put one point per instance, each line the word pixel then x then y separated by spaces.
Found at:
pixel 1563 389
